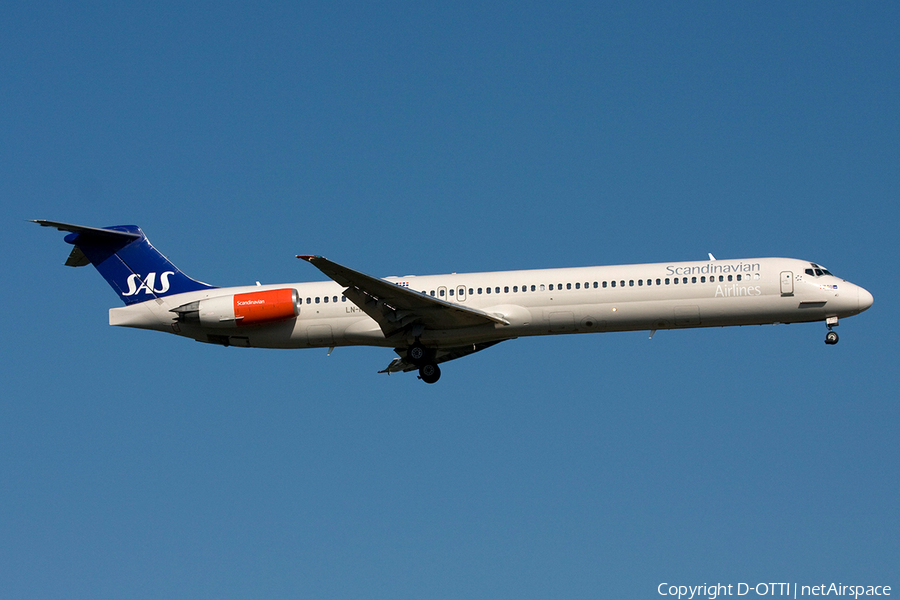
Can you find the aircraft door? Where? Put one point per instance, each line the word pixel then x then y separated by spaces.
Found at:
pixel 461 293
pixel 787 283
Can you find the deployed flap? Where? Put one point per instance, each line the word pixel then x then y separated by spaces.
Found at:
pixel 442 355
pixel 396 308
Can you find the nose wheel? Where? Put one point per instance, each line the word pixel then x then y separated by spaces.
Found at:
pixel 831 338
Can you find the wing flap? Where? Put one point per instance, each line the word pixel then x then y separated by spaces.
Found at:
pixel 442 355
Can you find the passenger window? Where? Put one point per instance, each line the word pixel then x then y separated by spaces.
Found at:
pixel 532 288
pixel 667 281
pixel 451 291
pixel 738 277
pixel 488 290
pixel 675 281
pixel 659 282
pixel 693 280
pixel 631 283
pixel 542 287
pixel 317 299
pixel 343 298
pixel 622 283
pixel 551 287
pixel 515 289
pixel 649 282
pixel 505 290
pixel 703 279
pixel 613 283
pixel 568 286
pixel 604 284
pixel 309 300
pixel 729 278
pixel 479 290
pixel 640 282
pixel 471 291
pixel 441 293
pixel 577 286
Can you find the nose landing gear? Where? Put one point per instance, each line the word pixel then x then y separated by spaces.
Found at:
pixel 831 338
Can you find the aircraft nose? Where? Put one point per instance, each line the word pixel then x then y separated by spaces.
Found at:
pixel 865 299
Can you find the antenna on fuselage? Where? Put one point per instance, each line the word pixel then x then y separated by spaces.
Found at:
pixel 711 257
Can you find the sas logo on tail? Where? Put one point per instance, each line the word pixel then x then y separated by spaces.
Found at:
pixel 148 283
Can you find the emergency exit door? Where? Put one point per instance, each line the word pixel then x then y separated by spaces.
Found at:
pixel 787 283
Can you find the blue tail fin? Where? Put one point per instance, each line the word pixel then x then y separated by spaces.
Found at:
pixel 126 259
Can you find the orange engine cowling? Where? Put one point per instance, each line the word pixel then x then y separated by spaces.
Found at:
pixel 266 306
pixel 249 308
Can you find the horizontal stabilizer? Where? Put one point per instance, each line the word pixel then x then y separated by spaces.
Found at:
pixel 89 231
pixel 126 259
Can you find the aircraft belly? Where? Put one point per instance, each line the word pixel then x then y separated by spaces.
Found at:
pixel 467 335
pixel 363 331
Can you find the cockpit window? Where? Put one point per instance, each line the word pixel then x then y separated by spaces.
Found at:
pixel 817 270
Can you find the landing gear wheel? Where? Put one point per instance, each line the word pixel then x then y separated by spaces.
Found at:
pixel 416 353
pixel 831 338
pixel 429 373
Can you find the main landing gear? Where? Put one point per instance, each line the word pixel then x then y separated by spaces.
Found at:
pixel 429 373
pixel 423 358
pixel 831 338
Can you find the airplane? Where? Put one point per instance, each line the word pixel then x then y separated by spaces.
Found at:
pixel 429 320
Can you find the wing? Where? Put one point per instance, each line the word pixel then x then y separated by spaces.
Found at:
pixel 397 309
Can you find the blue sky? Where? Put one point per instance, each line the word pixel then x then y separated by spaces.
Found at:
pixel 414 139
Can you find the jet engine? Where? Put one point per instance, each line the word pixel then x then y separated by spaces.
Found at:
pixel 251 308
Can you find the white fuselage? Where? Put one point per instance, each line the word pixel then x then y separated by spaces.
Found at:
pixel 541 302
